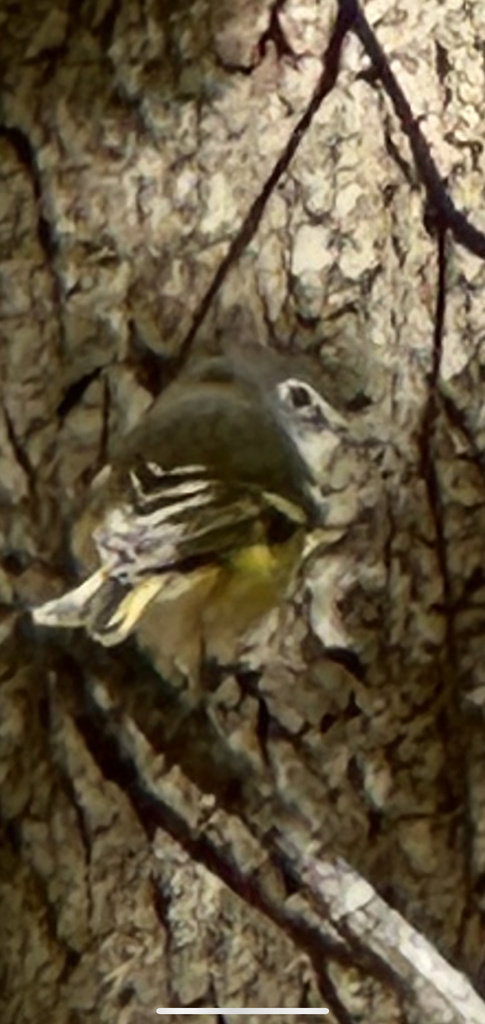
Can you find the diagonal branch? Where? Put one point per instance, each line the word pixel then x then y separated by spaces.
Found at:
pixel 333 914
pixel 331 62
pixel 463 231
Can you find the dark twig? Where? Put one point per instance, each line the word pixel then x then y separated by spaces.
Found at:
pixel 331 61
pixel 462 230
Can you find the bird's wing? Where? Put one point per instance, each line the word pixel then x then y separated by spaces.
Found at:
pixel 172 523
pixel 182 519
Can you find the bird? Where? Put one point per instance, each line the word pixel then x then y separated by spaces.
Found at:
pixel 211 494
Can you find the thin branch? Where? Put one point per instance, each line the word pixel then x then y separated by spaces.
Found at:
pixel 331 62
pixel 462 230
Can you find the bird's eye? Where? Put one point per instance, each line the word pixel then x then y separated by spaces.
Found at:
pixel 300 396
pixel 307 405
pixel 306 408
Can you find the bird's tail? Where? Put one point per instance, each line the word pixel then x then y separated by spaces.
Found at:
pixel 71 609
pixel 108 610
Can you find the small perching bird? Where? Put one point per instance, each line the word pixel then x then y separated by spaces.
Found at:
pixel 211 488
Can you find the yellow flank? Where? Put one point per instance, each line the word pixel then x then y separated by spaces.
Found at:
pixel 268 564
pixel 248 587
pixel 257 560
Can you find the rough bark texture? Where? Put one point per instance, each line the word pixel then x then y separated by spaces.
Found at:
pixel 312 833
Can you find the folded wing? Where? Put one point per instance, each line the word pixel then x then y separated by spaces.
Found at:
pixel 173 523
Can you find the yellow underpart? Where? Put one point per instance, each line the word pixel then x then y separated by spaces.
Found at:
pixel 230 596
pixel 259 560
pixel 255 580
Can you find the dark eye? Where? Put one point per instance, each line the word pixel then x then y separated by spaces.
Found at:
pixel 307 405
pixel 300 396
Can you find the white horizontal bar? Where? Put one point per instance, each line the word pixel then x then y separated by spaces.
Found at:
pixel 235 1009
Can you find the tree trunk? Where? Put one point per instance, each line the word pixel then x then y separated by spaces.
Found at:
pixel 308 177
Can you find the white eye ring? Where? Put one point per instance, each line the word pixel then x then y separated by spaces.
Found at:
pixel 296 393
pixel 307 405
pixel 299 394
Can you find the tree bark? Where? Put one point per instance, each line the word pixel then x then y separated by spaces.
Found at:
pixel 308 177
